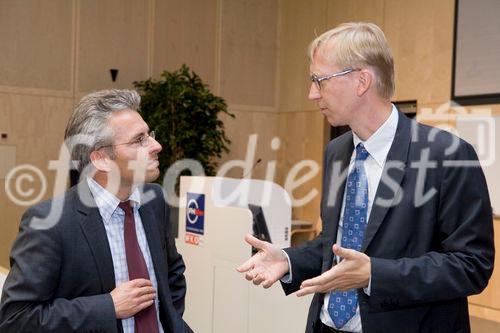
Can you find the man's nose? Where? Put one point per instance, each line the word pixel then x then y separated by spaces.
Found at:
pixel 314 92
pixel 154 146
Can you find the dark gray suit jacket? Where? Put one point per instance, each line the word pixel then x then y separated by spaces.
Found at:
pixel 61 277
pixel 427 257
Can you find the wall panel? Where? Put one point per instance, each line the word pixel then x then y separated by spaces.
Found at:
pixel 112 34
pixel 265 126
pixel 341 11
pixel 303 139
pixel 35 126
pixel 490 297
pixel 420 34
pixel 36 39
pixel 300 23
pixel 185 33
pixel 9 224
pixel 248 51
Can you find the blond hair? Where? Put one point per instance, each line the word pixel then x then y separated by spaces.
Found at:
pixel 358 45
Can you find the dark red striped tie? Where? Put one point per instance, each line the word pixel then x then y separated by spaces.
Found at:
pixel 145 320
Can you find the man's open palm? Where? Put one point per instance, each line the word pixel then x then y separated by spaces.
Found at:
pixel 265 267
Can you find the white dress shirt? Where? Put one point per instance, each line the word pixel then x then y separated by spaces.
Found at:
pixel 378 146
pixel 113 218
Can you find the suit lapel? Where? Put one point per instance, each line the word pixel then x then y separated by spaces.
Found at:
pixel 93 228
pixel 337 167
pixel 394 168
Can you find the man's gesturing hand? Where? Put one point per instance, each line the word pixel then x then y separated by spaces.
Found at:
pixel 132 296
pixel 265 267
pixel 353 271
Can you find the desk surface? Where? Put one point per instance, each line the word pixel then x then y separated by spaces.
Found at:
pixel 301 223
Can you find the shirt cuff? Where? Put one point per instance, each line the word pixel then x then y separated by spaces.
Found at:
pixel 368 289
pixel 287 278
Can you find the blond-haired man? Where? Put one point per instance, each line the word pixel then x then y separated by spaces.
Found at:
pixel 407 222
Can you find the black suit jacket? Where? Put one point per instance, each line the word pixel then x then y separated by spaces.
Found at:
pixel 429 235
pixel 61 277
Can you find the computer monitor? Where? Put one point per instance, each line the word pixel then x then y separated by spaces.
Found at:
pixel 259 225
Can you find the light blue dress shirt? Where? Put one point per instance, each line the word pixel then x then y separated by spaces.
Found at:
pixel 378 146
pixel 113 218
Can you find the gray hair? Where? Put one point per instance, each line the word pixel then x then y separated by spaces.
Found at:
pixel 87 128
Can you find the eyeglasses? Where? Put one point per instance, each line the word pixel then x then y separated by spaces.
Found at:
pixel 142 141
pixel 318 79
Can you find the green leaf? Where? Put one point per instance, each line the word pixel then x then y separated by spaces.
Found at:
pixel 184 113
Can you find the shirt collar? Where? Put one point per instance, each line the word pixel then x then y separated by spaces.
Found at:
pixel 379 143
pixel 107 202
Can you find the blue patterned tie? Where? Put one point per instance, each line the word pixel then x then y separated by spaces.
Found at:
pixel 343 304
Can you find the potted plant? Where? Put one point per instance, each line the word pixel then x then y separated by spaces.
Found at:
pixel 184 114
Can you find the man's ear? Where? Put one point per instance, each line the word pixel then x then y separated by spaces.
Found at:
pixel 365 82
pixel 100 160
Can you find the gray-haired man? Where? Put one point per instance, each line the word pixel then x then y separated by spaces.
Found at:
pixel 107 262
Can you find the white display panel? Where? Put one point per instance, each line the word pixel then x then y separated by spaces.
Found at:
pixel 477 48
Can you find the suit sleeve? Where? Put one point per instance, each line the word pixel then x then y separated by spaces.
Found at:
pixel 176 268
pixel 463 260
pixel 306 261
pixel 29 303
